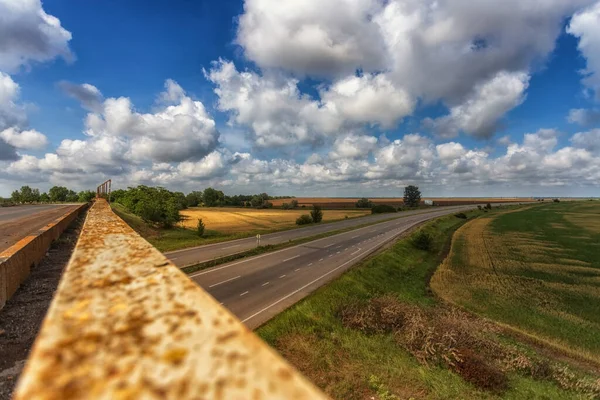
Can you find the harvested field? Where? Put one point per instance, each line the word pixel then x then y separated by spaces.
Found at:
pixel 536 270
pixel 344 202
pixel 234 220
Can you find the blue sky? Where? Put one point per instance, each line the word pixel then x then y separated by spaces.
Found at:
pixel 356 97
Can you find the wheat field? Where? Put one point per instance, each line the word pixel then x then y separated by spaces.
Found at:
pixel 235 220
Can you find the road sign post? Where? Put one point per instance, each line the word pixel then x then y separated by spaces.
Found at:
pixel 257 240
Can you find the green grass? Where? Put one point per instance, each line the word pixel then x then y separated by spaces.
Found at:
pixel 349 364
pixel 546 275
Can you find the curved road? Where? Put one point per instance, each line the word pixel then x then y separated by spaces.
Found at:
pixel 257 288
pixel 200 254
pixel 20 221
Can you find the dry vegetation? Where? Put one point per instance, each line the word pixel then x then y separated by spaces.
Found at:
pixel 235 220
pixel 538 271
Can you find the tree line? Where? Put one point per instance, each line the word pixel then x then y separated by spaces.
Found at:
pixel 159 206
pixel 56 194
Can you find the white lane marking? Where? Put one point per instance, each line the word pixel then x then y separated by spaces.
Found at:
pixel 265 284
pixel 243 294
pixel 329 245
pixel 225 281
pixel 320 259
pixel 291 258
pixel 354 237
pixel 331 255
pixel 402 218
pixel 345 249
pixel 337 252
pixel 175 258
pixel 297 269
pixel 231 247
pixel 305 286
pixel 338 246
pixel 310 264
pixel 282 276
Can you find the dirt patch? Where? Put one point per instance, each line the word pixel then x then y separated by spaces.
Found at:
pixel 22 316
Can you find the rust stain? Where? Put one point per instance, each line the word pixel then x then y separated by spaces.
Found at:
pixel 127 324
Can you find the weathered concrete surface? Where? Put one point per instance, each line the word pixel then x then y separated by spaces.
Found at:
pixel 16 261
pixel 126 323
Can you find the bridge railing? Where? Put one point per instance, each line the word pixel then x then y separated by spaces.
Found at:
pixel 125 323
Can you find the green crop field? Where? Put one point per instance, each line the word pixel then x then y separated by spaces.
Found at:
pixel 378 332
pixel 536 270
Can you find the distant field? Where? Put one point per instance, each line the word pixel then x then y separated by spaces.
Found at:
pixel 342 202
pixel 236 220
pixel 536 270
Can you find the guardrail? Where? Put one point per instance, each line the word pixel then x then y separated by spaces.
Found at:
pixel 126 323
pixel 17 260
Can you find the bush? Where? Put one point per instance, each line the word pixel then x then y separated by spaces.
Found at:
pixel 461 215
pixel 556 200
pixel 316 214
pixel 474 369
pixel 304 220
pixel 285 206
pixel 422 241
pixel 294 203
pixel 479 207
pixel 382 208
pixel 488 206
pixel 200 227
pixel 364 203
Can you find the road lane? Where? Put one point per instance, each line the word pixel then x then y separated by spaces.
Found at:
pixel 200 254
pixel 257 288
pixel 20 221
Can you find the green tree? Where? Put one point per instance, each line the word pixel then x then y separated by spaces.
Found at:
pixel 364 203
pixel 44 198
pixel 85 196
pixel 117 195
pixel 256 201
pixel 72 197
pixel 193 199
pixel 316 214
pixel 155 205
pixel 27 195
pixel 294 203
pixel 15 196
pixel 58 193
pixel 412 196
pixel 181 200
pixel 212 197
pixel 200 227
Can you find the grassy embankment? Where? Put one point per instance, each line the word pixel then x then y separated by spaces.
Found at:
pixel 377 331
pixel 232 223
pixel 537 271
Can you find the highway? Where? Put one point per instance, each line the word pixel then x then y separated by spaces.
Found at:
pixel 20 221
pixel 200 254
pixel 257 288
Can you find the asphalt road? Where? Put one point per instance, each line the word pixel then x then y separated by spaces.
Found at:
pixel 197 255
pixel 257 288
pixel 20 221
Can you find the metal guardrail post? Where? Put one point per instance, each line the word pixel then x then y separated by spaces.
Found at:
pixel 125 323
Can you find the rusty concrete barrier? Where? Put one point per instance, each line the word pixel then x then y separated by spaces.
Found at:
pixel 17 260
pixel 126 323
